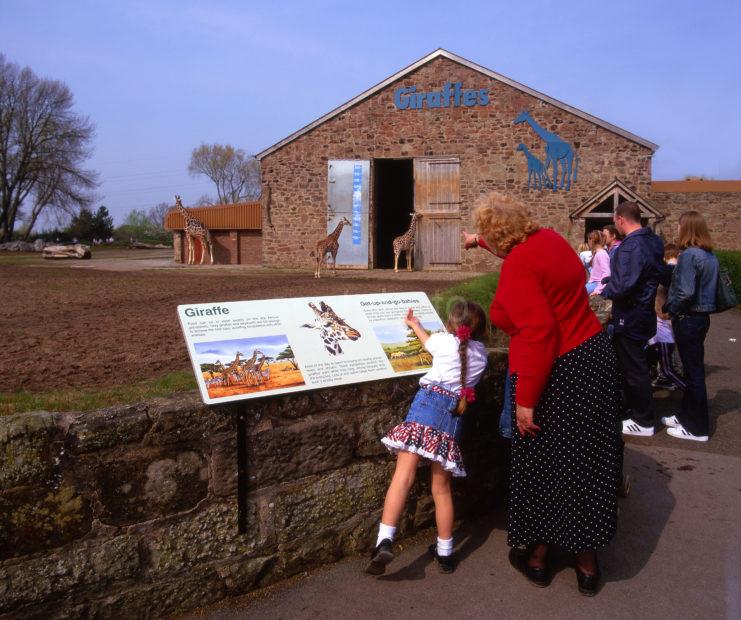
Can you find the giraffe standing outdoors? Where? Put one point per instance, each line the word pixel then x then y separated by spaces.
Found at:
pixel 405 243
pixel 330 245
pixel 195 229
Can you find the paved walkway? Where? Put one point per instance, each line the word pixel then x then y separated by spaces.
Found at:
pixel 677 553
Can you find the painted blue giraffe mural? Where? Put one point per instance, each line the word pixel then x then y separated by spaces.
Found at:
pixel 556 151
pixel 537 176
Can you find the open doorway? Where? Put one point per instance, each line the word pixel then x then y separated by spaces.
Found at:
pixel 393 199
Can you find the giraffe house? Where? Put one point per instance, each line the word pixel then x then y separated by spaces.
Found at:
pixel 437 134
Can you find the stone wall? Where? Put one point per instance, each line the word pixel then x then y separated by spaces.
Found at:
pixel 131 511
pixel 722 211
pixel 483 138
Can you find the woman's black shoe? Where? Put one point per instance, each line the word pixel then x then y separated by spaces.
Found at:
pixel 588 584
pixel 445 563
pixel 536 575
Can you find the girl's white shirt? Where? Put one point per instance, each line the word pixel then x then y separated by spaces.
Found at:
pixel 446 362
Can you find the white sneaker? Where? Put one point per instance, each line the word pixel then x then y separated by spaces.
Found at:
pixel 679 432
pixel 670 421
pixel 632 428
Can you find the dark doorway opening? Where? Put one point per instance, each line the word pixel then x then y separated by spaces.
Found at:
pixel 393 198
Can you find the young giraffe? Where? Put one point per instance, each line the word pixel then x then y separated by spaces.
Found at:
pixel 405 243
pixel 329 245
pixel 331 328
pixel 195 229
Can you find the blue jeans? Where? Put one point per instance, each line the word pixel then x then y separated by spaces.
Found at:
pixel 689 334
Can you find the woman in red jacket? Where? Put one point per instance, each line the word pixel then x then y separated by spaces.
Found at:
pixel 566 455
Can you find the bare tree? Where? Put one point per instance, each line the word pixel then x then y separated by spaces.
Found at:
pixel 235 174
pixel 43 145
pixel 157 215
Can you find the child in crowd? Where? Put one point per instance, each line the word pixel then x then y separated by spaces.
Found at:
pixel 667 378
pixel 585 254
pixel 600 263
pixel 432 429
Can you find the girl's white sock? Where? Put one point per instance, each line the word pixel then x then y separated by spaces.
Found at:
pixel 444 547
pixel 385 531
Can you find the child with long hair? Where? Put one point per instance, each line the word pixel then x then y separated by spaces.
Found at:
pixel 600 267
pixel 432 428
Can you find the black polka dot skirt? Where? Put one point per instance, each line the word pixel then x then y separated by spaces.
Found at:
pixel 564 480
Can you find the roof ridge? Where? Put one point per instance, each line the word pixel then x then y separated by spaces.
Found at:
pixel 443 53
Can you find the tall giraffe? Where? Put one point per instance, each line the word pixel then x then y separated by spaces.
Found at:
pixel 405 243
pixel 195 229
pixel 556 150
pixel 330 245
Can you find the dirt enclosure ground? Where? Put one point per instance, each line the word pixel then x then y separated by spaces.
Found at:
pixel 112 320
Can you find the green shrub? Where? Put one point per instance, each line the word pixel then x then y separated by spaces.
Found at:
pixel 731 260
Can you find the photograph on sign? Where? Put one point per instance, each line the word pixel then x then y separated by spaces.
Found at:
pixel 402 347
pixel 250 349
pixel 253 365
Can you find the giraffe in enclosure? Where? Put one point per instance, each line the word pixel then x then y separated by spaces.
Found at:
pixel 331 328
pixel 405 243
pixel 330 245
pixel 195 229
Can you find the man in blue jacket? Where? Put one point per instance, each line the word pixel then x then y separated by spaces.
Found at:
pixel 636 269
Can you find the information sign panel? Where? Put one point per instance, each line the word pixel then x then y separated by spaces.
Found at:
pixel 250 349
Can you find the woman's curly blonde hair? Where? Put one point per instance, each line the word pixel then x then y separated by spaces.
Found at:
pixel 503 221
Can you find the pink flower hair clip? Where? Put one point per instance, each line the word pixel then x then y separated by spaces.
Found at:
pixel 469 394
pixel 463 333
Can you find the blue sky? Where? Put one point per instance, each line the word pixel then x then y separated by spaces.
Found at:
pixel 158 77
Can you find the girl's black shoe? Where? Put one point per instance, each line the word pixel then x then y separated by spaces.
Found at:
pixel 538 576
pixel 588 584
pixel 381 556
pixel 445 563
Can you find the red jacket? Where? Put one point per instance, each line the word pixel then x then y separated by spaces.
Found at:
pixel 542 303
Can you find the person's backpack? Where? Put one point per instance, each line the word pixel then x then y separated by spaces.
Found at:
pixel 725 296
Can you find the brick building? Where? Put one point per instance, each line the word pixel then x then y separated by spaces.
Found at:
pixel 235 233
pixel 433 137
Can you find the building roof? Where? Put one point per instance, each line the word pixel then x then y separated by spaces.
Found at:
pixel 441 53
pixel 695 186
pixel 240 216
pixel 647 209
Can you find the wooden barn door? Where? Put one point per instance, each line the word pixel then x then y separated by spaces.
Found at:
pixel 437 198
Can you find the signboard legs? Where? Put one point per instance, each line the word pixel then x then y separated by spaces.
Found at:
pixel 241 412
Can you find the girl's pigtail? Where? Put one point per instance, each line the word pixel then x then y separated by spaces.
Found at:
pixel 467 394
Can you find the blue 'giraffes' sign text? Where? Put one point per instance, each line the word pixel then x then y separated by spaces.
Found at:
pixel 557 151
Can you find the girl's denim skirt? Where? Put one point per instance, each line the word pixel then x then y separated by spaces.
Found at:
pixel 432 430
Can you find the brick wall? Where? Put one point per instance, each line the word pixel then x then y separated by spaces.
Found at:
pixel 722 211
pixel 484 139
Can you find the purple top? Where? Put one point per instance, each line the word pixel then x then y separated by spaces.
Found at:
pixel 600 269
